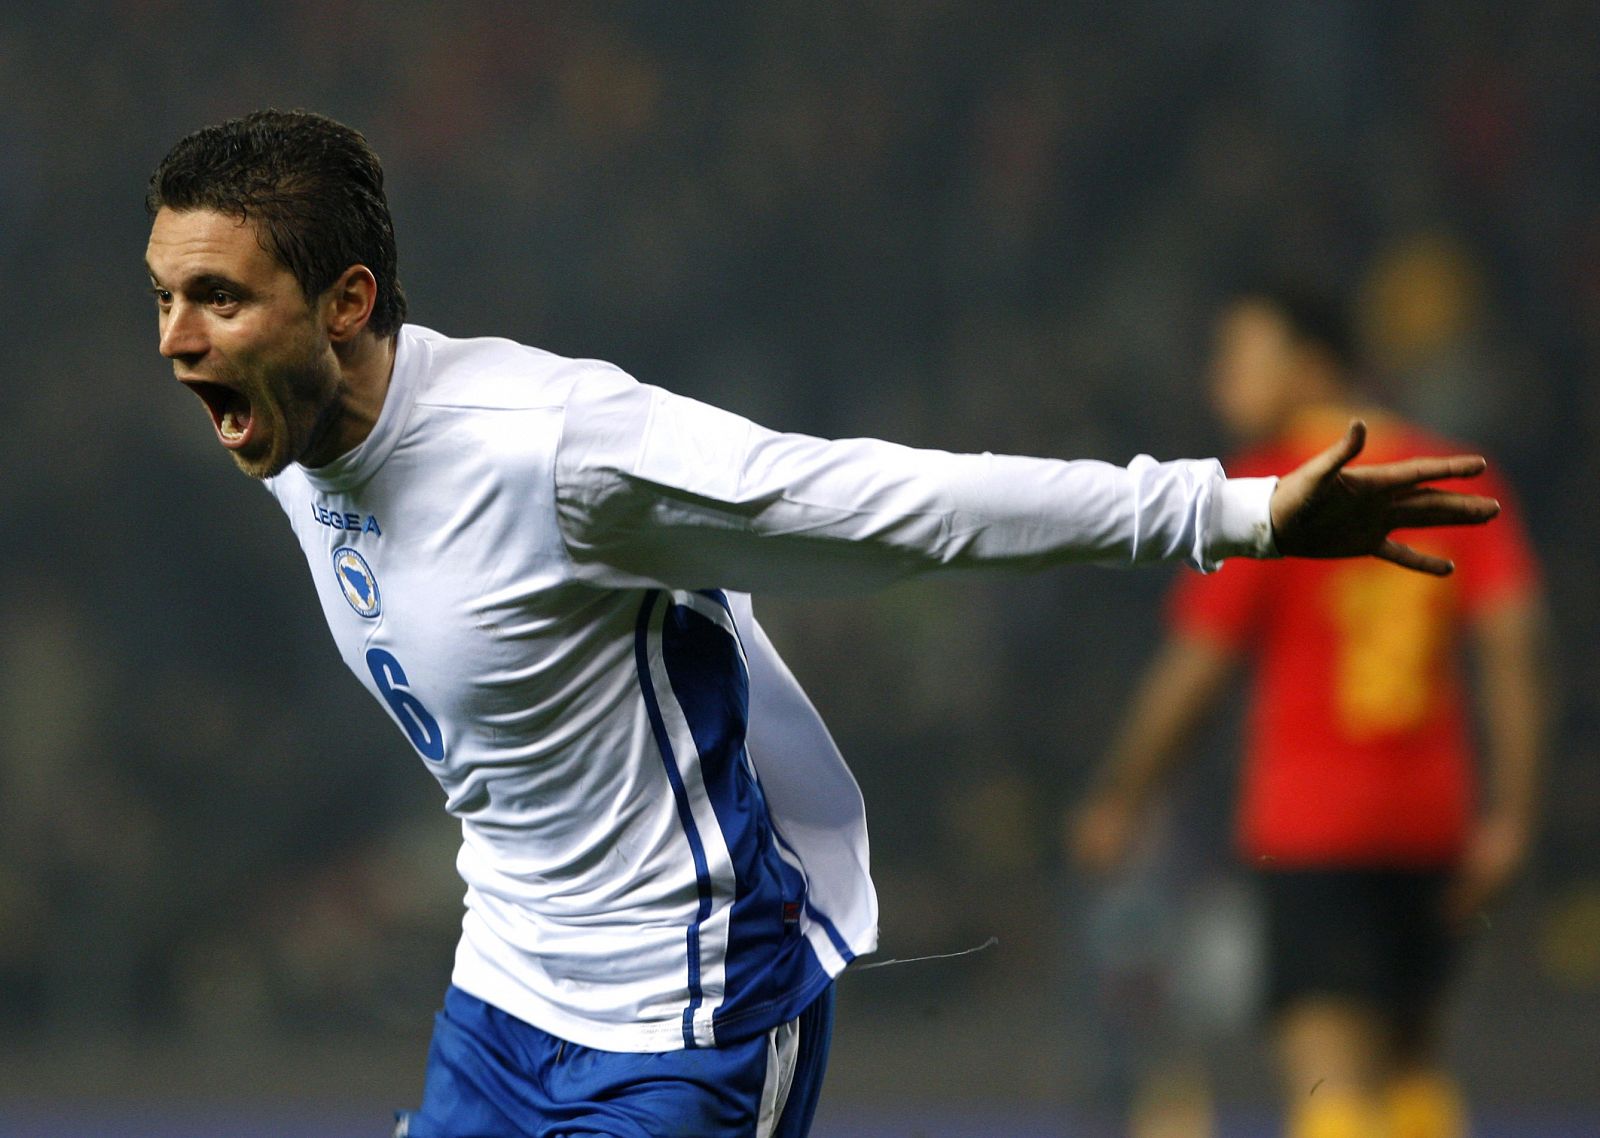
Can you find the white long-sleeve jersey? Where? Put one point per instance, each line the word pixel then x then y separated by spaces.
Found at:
pixel 541 568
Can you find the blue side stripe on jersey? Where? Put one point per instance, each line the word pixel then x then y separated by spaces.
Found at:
pixel 839 944
pixel 767 963
pixel 828 927
pixel 658 727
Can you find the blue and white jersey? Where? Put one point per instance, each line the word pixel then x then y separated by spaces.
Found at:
pixel 541 568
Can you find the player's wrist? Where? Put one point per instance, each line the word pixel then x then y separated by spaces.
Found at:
pixel 1242 521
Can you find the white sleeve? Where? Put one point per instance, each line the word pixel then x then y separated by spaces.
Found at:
pixel 657 488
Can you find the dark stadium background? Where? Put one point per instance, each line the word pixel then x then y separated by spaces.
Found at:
pixel 226 892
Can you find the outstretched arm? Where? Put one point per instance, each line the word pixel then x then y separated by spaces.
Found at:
pixel 653 488
pixel 1326 508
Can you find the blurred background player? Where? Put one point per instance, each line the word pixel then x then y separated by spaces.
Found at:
pixel 1358 810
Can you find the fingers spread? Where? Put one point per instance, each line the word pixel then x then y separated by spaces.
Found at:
pixel 1350 445
pixel 1415 471
pixel 1408 558
pixel 1354 441
pixel 1331 460
pixel 1439 508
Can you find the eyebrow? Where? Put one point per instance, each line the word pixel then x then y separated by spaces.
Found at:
pixel 202 282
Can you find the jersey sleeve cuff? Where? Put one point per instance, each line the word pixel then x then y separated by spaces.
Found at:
pixel 1242 520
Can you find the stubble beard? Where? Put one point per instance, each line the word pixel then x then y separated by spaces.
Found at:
pixel 298 403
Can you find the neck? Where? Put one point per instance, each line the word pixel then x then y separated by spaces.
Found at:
pixel 365 365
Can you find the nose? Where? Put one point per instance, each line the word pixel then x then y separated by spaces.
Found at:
pixel 182 332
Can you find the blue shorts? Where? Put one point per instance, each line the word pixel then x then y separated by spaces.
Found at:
pixel 490 1075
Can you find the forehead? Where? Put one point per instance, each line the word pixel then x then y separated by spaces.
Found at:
pixel 186 243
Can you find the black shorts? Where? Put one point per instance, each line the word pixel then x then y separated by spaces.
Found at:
pixel 1378 936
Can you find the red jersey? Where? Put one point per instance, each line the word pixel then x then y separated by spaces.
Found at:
pixel 1358 741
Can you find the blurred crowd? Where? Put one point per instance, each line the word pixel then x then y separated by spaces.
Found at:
pixel 1000 226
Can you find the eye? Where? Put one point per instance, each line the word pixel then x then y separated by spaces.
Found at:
pixel 218 298
pixel 163 297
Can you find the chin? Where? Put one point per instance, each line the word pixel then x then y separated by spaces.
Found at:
pixel 268 462
pixel 261 468
pixel 282 440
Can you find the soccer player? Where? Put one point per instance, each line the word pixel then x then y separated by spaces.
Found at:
pixel 1357 811
pixel 541 568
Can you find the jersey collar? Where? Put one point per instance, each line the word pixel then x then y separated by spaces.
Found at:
pixel 362 461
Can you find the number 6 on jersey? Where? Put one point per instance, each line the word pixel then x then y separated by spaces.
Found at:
pixel 415 720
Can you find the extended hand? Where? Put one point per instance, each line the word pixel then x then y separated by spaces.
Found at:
pixel 1327 509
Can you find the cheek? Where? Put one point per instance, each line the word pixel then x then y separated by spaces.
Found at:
pixel 313 384
pixel 295 374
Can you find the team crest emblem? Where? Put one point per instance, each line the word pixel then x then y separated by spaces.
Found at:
pixel 356 581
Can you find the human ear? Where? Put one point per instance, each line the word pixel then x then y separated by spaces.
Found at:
pixel 348 303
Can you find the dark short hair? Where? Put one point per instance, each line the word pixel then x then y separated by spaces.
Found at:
pixel 1312 316
pixel 312 187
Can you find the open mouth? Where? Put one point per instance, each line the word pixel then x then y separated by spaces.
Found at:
pixel 230 410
